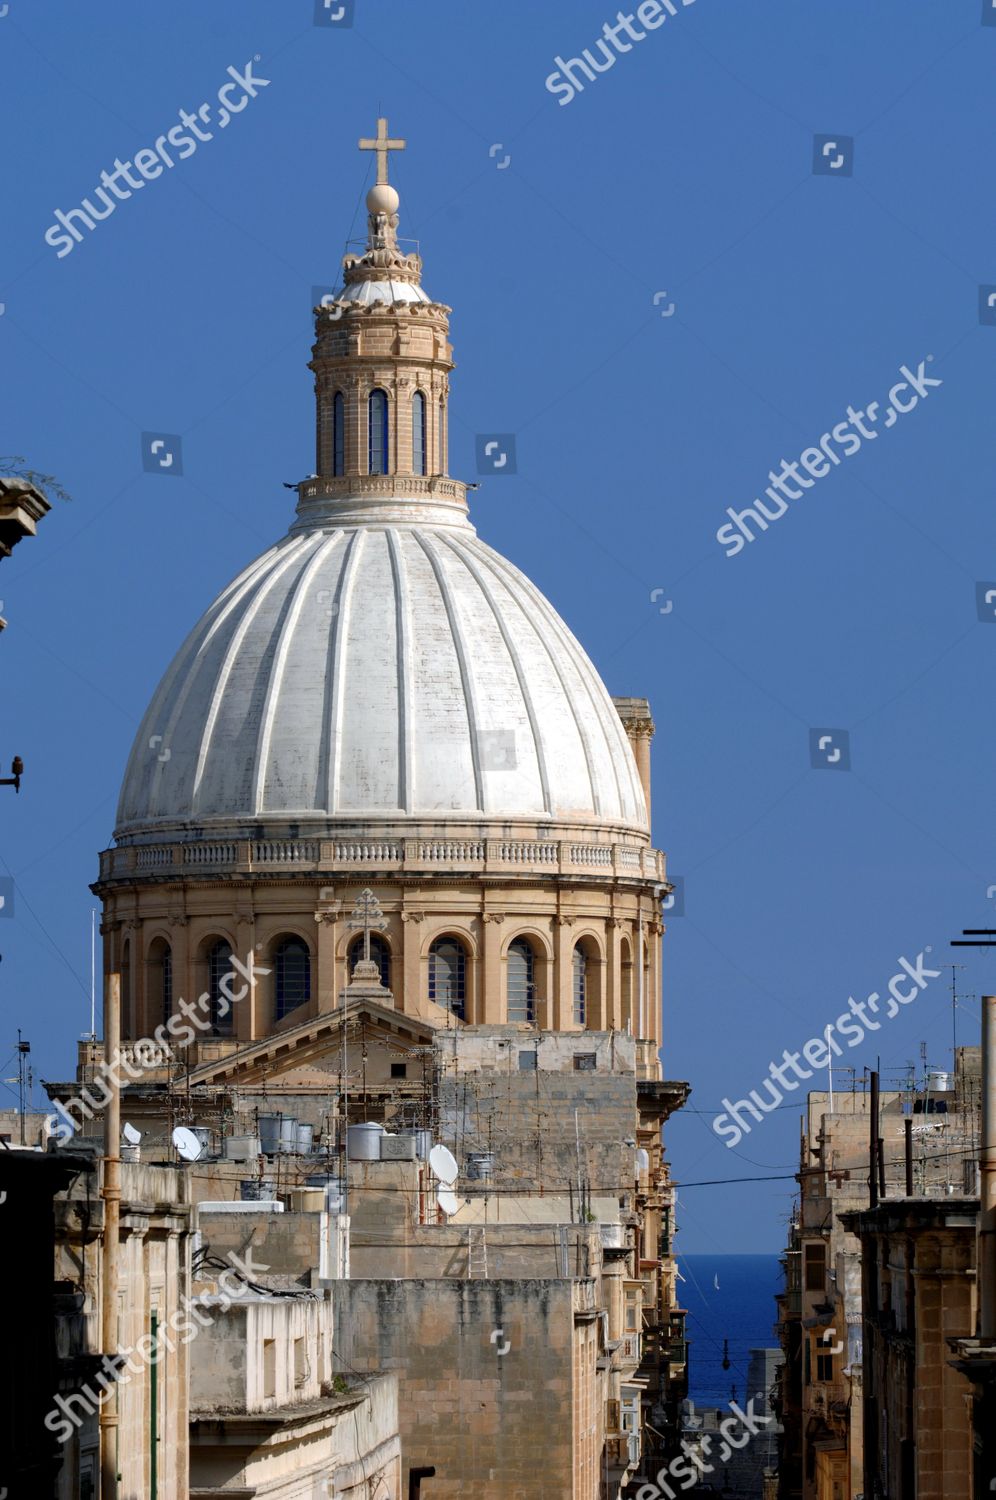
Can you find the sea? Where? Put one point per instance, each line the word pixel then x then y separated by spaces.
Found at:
pixel 740 1310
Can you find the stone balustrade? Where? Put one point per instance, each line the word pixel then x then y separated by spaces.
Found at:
pixel 508 858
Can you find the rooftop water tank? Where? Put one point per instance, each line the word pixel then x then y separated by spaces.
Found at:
pixel 363 1141
pixel 269 1133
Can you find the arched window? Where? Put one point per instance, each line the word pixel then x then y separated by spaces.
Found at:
pixel 579 985
pixel 441 454
pixel 160 982
pixel 292 976
pixel 338 434
pixel 377 431
pixel 418 433
pixel 520 984
pixel 448 975
pixel 220 1006
pixel 380 953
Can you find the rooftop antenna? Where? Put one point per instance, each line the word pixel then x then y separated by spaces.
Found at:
pixel 93 974
pixel 23 1048
pixel 955 997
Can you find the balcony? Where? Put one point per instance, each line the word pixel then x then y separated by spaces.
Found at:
pixel 630 1349
pixel 623 1452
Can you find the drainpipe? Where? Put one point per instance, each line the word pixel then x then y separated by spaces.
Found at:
pixel 154 1412
pixel 987 1215
pixel 873 1158
pixel 111 1194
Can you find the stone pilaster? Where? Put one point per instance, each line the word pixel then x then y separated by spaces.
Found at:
pixel 327 980
pixel 490 987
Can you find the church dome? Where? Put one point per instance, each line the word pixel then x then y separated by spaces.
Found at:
pixel 381 664
pixel 380 670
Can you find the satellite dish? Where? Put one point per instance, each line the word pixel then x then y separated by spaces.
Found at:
pixel 443 1164
pixel 448 1201
pixel 131 1135
pixel 186 1143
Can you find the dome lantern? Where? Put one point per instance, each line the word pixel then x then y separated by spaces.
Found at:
pixel 381 361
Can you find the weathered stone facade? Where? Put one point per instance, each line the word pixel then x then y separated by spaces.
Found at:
pixel 918 1262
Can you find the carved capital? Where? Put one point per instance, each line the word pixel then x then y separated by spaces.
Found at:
pixel 132 924
pixel 493 916
pixel 614 922
pixel 328 916
pixel 560 920
pixel 655 927
pixel 177 919
pixel 413 916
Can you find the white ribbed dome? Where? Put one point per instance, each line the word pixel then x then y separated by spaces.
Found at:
pixel 380 671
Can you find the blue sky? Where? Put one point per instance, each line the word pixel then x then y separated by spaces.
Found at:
pixel 684 170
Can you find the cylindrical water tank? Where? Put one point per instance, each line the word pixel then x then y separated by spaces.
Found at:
pixel 939 1082
pixel 305 1134
pixel 203 1134
pixel 363 1141
pixel 288 1135
pixel 480 1165
pixel 307 1200
pixel 269 1134
pixel 423 1144
pixel 130 1151
pixel 257 1188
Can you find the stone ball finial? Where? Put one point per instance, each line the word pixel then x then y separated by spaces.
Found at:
pixel 382 199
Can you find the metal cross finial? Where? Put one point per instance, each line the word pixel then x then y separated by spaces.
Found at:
pixel 382 144
pixel 368 915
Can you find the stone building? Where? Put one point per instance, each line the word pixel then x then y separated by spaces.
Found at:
pixel 382 700
pixel 42 1356
pixel 154 1285
pixel 824 1403
pixel 918 1295
pixel 383 856
pixel 22 506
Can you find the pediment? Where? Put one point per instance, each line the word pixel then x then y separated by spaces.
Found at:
pixel 307 1054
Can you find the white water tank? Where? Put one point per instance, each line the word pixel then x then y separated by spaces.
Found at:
pixel 242 1147
pixel 363 1142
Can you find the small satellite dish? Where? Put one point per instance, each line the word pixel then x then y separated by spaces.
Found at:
pixel 187 1145
pixel 443 1164
pixel 131 1135
pixel 448 1201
